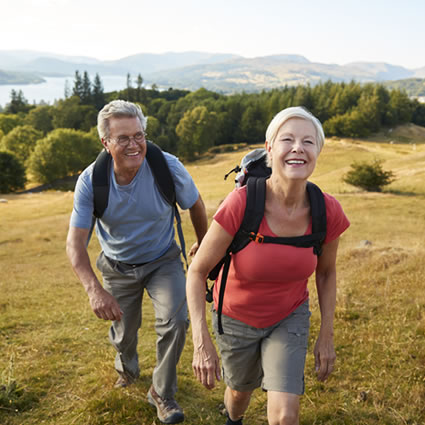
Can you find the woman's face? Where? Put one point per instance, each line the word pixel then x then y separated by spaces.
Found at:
pixel 295 150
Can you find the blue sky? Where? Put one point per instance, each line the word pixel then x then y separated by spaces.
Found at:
pixel 323 31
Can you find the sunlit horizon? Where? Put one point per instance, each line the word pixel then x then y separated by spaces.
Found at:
pixel 329 32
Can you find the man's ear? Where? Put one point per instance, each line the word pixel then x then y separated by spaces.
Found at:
pixel 105 144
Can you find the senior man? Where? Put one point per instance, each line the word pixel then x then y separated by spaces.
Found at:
pixel 136 234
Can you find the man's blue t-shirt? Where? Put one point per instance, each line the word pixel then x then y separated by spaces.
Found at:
pixel 138 224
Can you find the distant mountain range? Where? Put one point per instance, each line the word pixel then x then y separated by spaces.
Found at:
pixel 191 70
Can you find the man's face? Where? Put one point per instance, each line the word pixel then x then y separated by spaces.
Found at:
pixel 128 157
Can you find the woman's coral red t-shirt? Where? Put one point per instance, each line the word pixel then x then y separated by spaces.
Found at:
pixel 266 282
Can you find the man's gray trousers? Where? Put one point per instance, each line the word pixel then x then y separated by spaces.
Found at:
pixel 165 283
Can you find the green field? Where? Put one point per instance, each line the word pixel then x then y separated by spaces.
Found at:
pixel 56 364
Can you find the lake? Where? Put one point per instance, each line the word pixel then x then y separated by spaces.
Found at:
pixel 54 88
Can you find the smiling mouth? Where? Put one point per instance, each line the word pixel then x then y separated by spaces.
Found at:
pixel 132 153
pixel 295 162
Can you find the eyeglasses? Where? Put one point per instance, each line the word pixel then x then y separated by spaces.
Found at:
pixel 124 141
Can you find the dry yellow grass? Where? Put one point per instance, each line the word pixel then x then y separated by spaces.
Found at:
pixel 56 362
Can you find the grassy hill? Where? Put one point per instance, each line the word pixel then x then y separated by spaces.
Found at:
pixel 412 86
pixel 227 73
pixel 10 77
pixel 56 364
pixel 263 73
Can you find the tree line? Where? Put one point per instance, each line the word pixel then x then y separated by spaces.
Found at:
pixel 54 141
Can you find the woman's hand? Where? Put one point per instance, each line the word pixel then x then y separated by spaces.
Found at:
pixel 205 364
pixel 324 356
pixel 324 351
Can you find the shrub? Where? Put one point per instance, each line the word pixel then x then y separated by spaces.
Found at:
pixel 21 141
pixel 63 152
pixel 369 176
pixel 9 121
pixel 12 176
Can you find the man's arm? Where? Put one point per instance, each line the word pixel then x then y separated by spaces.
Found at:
pixel 198 216
pixel 102 303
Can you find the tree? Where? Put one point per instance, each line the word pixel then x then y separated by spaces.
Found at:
pixel 77 90
pixel 66 90
pixel 12 176
pixel 129 87
pixel 98 95
pixel 303 97
pixel 86 89
pixel 196 132
pixel 40 118
pixel 139 88
pixel 153 128
pixel 21 141
pixel 400 108
pixel 69 113
pixel 9 121
pixel 139 81
pixel 62 153
pixel 418 116
pixel 252 124
pixel 17 103
pixel 350 124
pixel 369 176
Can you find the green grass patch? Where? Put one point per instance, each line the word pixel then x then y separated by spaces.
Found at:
pixel 56 364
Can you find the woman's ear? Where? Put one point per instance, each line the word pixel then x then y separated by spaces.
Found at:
pixel 267 146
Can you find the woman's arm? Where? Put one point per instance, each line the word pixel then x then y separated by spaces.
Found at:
pixel 199 219
pixel 205 363
pixel 324 351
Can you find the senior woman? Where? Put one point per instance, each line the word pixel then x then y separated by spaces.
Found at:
pixel 266 307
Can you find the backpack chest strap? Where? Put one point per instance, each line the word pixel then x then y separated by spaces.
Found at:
pixel 314 240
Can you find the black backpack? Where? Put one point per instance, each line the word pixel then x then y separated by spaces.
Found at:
pixel 254 164
pixel 163 180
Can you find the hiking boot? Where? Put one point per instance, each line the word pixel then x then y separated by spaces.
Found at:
pixel 124 380
pixel 230 422
pixel 167 409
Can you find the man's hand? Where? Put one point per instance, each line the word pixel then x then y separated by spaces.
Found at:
pixel 104 305
pixel 193 249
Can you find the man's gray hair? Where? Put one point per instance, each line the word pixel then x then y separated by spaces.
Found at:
pixel 294 112
pixel 118 109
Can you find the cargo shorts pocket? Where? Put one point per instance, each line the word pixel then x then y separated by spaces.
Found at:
pixel 298 335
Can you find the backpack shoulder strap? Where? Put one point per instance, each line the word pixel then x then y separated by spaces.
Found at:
pixel 318 207
pixel 165 183
pixel 162 176
pixel 161 172
pixel 318 215
pixel 100 182
pixel 254 212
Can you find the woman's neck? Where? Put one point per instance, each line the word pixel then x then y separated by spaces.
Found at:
pixel 291 194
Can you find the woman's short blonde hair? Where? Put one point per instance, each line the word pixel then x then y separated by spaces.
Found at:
pixel 294 112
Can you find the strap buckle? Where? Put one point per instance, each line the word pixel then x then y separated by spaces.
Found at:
pixel 256 237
